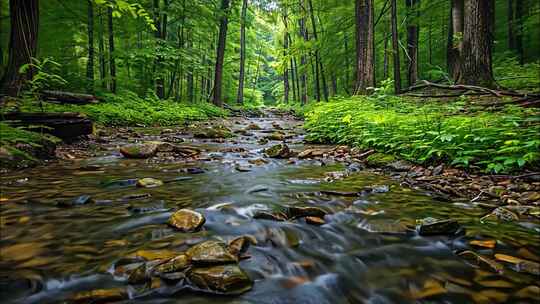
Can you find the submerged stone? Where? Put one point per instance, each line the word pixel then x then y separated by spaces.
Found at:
pixel 213 133
pixel 100 296
pixel 275 216
pixel 278 151
pixel 138 275
pixel 149 182
pixel 296 212
pixel 186 220
pixel 225 279
pixel 430 226
pixel 314 220
pixel 139 150
pixel 210 252
pixel 176 264
pixel 240 245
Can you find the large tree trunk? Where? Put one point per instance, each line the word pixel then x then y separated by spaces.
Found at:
pixel 395 47
pixel 241 75
pixel 111 50
pixel 101 49
pixel 160 87
pixel 318 66
pixel 303 61
pixel 455 39
pixel 222 39
pixel 385 58
pixel 90 63
pixel 23 39
pixel 365 64
pixel 475 67
pixel 412 40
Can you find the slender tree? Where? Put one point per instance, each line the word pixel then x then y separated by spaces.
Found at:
pixel 303 59
pixel 90 63
pixel 515 27
pixel 23 39
pixel 285 54
pixel 455 39
pixel 112 63
pixel 241 75
pixel 395 47
pixel 412 40
pixel 475 67
pixel 365 57
pixel 220 53
pixel 101 49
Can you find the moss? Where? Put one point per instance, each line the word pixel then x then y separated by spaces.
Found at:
pixel 380 159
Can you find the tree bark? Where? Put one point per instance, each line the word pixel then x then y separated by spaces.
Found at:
pixel 475 67
pixel 220 53
pixel 455 39
pixel 241 75
pixel 515 28
pixel 101 49
pixel 90 63
pixel 160 90
pixel 365 64
pixel 285 54
pixel 24 19
pixel 318 64
pixel 111 50
pixel 395 47
pixel 303 60
pixel 385 59
pixel 412 40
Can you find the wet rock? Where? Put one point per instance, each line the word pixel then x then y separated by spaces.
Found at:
pixel 276 125
pixel 312 153
pixel 520 264
pixel 430 226
pixel 297 212
pixel 276 216
pixel 379 159
pixel 146 150
pixel 313 220
pixel 253 126
pixel 225 279
pixel 210 252
pixel 258 161
pixel 138 275
pixel 530 292
pixel 186 220
pixel 501 213
pixel 276 136
pixel 79 200
pixel 176 264
pixel 483 243
pixel 194 170
pixel 263 141
pixel 241 168
pixel 99 296
pixel 159 206
pixel 213 133
pixel 278 151
pixel 149 255
pixel 149 182
pixel 336 175
pixel 239 245
pixel 478 259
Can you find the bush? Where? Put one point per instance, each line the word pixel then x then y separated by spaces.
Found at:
pixel 431 132
pixel 129 109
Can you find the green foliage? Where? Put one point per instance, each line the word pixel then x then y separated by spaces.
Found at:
pixel 510 74
pixel 129 109
pixel 45 77
pixel 431 133
pixel 11 136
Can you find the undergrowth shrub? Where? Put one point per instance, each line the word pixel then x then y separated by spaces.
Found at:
pixel 430 133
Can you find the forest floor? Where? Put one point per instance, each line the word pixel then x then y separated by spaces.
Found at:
pixel 305 209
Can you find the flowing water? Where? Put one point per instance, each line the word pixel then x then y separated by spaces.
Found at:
pixel 364 253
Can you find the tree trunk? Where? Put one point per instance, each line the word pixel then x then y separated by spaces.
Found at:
pixel 285 54
pixel 475 67
pixel 303 61
pixel 430 41
pixel 365 65
pixel 412 40
pixel 218 73
pixel 385 59
pixel 111 50
pixel 101 46
pixel 515 27
pixel 24 19
pixel 455 39
pixel 160 90
pixel 90 63
pixel 519 31
pixel 241 76
pixel 395 48
pixel 318 64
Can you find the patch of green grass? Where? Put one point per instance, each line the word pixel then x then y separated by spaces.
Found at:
pixel 431 132
pixel 129 109
pixel 11 136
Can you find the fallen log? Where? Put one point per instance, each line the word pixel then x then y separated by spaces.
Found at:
pixel 498 93
pixel 62 125
pixel 68 97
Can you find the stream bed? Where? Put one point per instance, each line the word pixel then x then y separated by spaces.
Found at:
pixel 366 251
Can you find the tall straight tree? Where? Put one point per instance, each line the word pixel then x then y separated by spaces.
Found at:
pixel 319 67
pixel 23 39
pixel 365 63
pixel 412 40
pixel 90 63
pixel 515 27
pixel 112 63
pixel 241 75
pixel 475 67
pixel 220 52
pixel 160 90
pixel 285 54
pixel 395 47
pixel 101 49
pixel 455 39
pixel 303 59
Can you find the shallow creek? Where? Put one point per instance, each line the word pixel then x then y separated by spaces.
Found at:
pixel 364 253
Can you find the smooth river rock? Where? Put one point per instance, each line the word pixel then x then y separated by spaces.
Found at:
pixel 139 150
pixel 278 151
pixel 223 279
pixel 432 226
pixel 210 252
pixel 186 220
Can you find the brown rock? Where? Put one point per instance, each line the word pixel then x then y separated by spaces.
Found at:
pixel 210 252
pixel 313 220
pixel 225 279
pixel 187 220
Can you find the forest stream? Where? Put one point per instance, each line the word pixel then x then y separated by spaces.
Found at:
pixel 314 231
